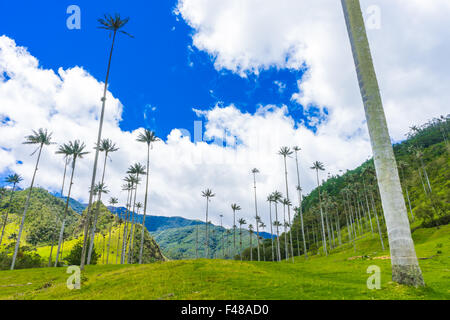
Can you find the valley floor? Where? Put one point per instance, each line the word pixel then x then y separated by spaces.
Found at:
pixel 341 275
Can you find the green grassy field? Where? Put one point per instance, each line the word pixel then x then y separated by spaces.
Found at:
pixel 341 275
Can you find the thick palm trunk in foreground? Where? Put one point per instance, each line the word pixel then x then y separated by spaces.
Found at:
pixel 405 266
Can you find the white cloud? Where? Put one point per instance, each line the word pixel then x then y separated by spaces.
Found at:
pixel 410 53
pixel 68 102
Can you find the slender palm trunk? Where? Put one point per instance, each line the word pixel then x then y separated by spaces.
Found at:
pixel 234 229
pixel 125 227
pixel 27 203
pixel 278 233
pixel 289 207
pixel 97 152
pixel 56 218
pixel 97 212
pixel 378 222
pixel 324 240
pixel 256 217
pixel 118 247
pixel 286 251
pixel 61 232
pixel 196 241
pixel 5 221
pixel 405 266
pixel 271 230
pixel 300 206
pixel 141 247
pixel 206 228
pixel 109 243
pixel 251 247
pixel 240 241
pixel 131 244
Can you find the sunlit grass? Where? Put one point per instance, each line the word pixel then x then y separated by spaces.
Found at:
pixel 332 277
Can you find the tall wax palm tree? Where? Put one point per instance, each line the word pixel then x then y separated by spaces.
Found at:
pixel 108 147
pixel 208 194
pixel 223 243
pixel 66 163
pixel 40 138
pixel 137 170
pixel 284 224
pixel 287 152
pixel 276 198
pixel 405 266
pixel 319 166
pixel 254 172
pixel 270 200
pixel 148 137
pixel 138 210
pixel 402 165
pixel 277 224
pixel 288 203
pixel 235 208
pixel 74 150
pixel 241 222
pixel 114 25
pixel 100 189
pixel 250 231
pixel 263 226
pixel 131 181
pixel 112 203
pixel 300 198
pixel 13 179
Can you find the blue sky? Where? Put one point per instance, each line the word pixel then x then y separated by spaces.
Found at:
pixel 158 76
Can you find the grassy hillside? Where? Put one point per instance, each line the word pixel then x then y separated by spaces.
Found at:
pixel 180 243
pixel 342 275
pixel 423 157
pixel 42 226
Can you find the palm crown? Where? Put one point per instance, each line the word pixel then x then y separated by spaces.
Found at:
pixel 208 193
pixel 318 166
pixel 137 169
pixel 285 151
pixel 114 23
pixel 106 145
pixel 147 137
pixel 74 149
pixel 14 179
pixel 235 207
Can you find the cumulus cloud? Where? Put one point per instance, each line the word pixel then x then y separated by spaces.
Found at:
pixel 67 102
pixel 409 50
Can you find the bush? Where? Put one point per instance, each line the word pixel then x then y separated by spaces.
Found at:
pixel 26 259
pixel 74 258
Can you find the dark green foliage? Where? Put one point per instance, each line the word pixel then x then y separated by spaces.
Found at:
pixel 43 216
pixel 26 258
pixel 74 258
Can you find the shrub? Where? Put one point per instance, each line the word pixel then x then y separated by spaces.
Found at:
pixel 74 258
